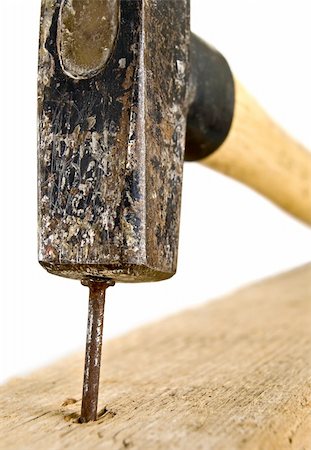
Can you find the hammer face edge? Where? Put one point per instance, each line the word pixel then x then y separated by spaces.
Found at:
pixel 122 274
pixel 111 148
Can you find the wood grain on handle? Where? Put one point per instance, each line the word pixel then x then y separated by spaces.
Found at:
pixel 261 155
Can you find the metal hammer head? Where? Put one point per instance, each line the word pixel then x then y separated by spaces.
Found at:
pixel 114 93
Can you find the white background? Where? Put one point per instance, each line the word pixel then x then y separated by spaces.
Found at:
pixel 239 236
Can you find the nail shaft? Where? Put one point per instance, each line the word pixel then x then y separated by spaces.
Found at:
pixel 93 348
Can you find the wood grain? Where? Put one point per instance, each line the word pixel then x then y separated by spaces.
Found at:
pixel 233 374
pixel 261 155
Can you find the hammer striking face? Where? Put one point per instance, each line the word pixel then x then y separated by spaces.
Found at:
pixel 113 101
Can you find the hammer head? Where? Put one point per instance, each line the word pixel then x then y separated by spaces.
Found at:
pixel 112 93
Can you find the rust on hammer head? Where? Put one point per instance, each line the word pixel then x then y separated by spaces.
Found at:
pixel 112 125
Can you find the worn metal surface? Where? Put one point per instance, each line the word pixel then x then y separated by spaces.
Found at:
pixel 86 34
pixel 111 145
pixel 93 348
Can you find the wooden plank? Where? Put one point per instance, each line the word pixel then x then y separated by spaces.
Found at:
pixel 233 374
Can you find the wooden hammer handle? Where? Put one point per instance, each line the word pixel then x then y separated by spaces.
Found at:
pixel 261 155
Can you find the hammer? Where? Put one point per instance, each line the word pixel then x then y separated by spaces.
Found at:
pixel 125 94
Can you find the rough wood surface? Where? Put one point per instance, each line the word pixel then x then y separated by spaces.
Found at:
pixel 261 155
pixel 233 374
